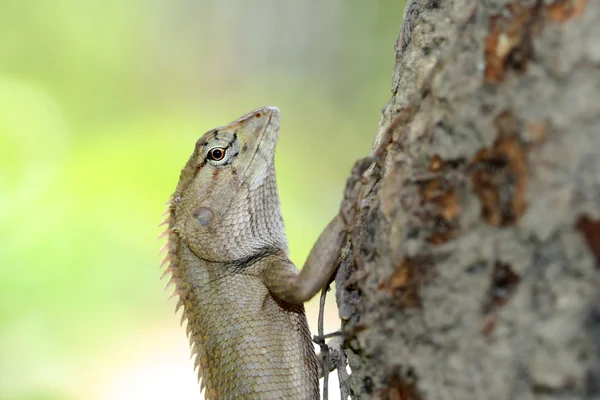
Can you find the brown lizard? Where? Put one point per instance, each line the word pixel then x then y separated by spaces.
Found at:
pixel 228 258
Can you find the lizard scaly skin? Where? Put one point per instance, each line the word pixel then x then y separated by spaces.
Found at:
pixel 228 258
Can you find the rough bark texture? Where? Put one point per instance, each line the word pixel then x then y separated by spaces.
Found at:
pixel 473 267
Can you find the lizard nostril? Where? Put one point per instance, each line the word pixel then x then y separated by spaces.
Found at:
pixel 203 215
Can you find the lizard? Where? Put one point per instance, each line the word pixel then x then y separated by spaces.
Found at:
pixel 228 259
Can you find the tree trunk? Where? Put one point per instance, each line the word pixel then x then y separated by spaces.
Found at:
pixel 472 269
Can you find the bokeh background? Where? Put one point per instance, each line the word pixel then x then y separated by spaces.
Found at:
pixel 101 103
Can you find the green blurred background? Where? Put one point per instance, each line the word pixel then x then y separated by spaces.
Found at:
pixel 101 103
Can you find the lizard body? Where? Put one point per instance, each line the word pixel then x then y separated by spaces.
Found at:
pixel 228 258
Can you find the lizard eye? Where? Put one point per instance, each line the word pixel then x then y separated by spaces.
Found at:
pixel 216 154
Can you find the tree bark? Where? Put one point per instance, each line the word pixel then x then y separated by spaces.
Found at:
pixel 472 270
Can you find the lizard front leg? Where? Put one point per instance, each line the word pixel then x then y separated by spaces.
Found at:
pixel 293 286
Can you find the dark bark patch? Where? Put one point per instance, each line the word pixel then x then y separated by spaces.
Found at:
pixel 439 206
pixel 591 232
pixel 500 174
pixel 439 209
pixel 433 4
pixel 368 385
pixel 503 283
pixel 489 326
pixel 356 277
pixel 564 10
pixel 405 283
pixel 400 386
pixel 509 42
pixel 436 164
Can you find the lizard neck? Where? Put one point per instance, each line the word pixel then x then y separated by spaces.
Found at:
pixel 254 218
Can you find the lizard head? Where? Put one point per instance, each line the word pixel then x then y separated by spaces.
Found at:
pixel 226 206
